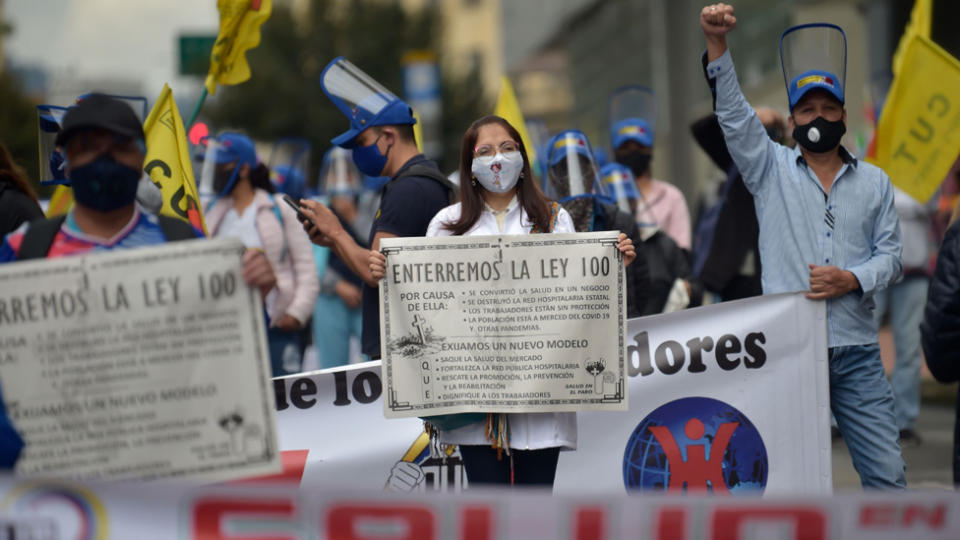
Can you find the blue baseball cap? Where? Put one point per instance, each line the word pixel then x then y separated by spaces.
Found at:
pixel 235 147
pixel 572 138
pixel 631 129
pixel 364 101
pixel 813 80
pixel 617 181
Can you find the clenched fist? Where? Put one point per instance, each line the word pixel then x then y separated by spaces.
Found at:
pixel 717 19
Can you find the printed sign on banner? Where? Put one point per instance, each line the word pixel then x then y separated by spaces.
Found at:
pixel 733 396
pixel 531 323
pixel 145 363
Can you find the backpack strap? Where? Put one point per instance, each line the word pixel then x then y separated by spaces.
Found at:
pixel 39 237
pixel 433 174
pixel 279 216
pixel 554 216
pixel 175 229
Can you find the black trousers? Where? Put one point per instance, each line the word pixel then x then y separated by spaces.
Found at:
pixel 530 467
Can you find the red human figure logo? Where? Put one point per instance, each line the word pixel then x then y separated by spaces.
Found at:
pixel 694 473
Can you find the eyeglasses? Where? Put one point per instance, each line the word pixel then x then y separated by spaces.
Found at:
pixel 489 150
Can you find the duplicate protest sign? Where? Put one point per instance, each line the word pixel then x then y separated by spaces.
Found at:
pixel 731 397
pixel 144 363
pixel 531 323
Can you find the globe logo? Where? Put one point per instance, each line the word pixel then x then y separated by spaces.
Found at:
pixel 696 444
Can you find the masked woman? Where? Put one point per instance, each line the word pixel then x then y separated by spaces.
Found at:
pixel 499 195
pixel 246 208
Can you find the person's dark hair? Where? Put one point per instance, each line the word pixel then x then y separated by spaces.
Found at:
pixel 260 178
pixel 405 133
pixel 529 195
pixel 13 174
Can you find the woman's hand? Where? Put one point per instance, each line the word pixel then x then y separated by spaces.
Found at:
pixel 625 245
pixel 378 265
pixel 257 271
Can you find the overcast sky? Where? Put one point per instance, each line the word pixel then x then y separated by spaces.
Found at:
pixel 134 39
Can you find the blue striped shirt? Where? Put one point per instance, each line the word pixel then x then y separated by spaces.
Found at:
pixel 854 227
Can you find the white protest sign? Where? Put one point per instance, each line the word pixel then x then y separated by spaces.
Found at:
pixel 145 363
pixel 529 323
pixel 757 363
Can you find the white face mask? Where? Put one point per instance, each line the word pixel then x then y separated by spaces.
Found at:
pixel 498 173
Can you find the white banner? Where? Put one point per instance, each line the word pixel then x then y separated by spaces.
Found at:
pixel 145 363
pixel 50 510
pixel 746 378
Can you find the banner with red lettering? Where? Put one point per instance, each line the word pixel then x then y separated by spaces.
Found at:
pixel 54 510
pixel 731 397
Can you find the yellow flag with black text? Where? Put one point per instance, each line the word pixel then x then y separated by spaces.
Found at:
pixel 240 22
pixel 168 161
pixel 918 136
pixel 508 108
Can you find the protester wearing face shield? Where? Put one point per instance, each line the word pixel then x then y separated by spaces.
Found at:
pixel 672 286
pixel 245 207
pixel 500 196
pixel 571 180
pixel 382 142
pixel 632 115
pixel 827 224
pixel 337 315
pixel 726 255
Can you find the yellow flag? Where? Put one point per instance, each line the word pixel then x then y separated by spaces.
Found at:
pixel 168 161
pixel 509 109
pixel 418 131
pixel 60 202
pixel 918 135
pixel 919 25
pixel 240 22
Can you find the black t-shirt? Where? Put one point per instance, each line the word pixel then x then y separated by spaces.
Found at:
pixel 406 208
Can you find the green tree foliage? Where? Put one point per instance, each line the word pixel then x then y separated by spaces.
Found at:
pixel 283 98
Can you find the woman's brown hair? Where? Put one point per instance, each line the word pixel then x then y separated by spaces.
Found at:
pixel 531 199
pixel 11 173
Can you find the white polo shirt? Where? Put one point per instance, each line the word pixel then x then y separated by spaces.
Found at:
pixel 528 431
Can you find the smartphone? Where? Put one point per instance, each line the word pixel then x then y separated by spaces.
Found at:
pixel 296 206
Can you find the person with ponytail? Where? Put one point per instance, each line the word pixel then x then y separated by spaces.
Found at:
pixel 246 207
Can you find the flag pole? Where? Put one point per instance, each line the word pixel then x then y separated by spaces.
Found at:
pixel 196 110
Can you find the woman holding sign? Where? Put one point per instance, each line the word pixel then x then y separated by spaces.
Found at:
pixel 502 197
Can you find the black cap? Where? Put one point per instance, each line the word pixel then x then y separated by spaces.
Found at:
pixel 100 111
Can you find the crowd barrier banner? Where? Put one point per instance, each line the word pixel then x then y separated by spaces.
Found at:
pixel 49 510
pixel 532 323
pixel 731 397
pixel 147 363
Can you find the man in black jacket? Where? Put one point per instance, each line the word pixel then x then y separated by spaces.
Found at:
pixel 940 329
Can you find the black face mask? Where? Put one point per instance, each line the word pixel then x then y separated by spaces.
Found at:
pixel 221 177
pixel 820 135
pixel 638 162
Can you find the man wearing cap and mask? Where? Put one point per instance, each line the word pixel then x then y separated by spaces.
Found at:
pixel 104 146
pixel 827 224
pixel 382 142
pixel 632 115
pixel 572 180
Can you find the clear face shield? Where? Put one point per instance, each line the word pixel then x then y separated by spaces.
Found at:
pixel 618 186
pixel 571 169
pixel 358 96
pixel 53 160
pixel 632 115
pixel 339 176
pixel 813 56
pixel 289 162
pixel 218 172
